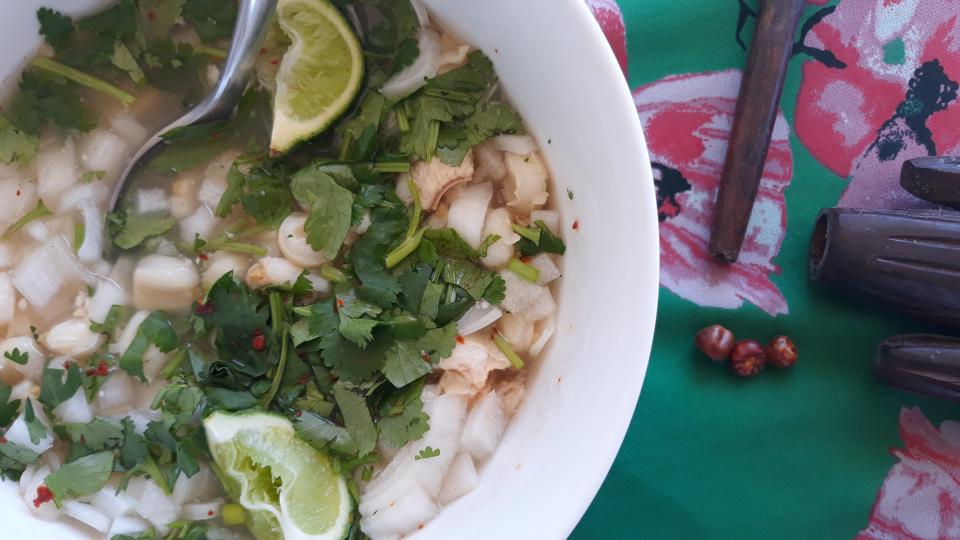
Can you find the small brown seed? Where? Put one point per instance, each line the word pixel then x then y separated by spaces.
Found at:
pixel 715 341
pixel 747 358
pixel 781 352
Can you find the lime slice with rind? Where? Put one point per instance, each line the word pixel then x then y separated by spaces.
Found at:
pixel 287 487
pixel 320 75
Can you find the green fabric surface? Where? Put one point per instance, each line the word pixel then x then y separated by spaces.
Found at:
pixel 790 454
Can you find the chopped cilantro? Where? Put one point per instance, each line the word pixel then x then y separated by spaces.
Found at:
pixel 154 330
pixel 356 418
pixel 17 356
pixel 56 28
pixel 55 389
pixel 16 146
pixel 427 453
pixel 38 212
pixel 85 476
pixel 539 239
pixel 212 19
pixel 129 230
pixel 330 209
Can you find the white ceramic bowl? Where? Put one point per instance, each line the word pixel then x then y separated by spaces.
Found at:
pixel 556 65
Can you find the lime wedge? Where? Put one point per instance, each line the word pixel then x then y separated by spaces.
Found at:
pixel 286 486
pixel 320 74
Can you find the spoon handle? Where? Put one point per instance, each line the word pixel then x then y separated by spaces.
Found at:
pixel 253 19
pixel 753 121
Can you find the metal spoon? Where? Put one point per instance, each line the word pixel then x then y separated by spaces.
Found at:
pixel 253 17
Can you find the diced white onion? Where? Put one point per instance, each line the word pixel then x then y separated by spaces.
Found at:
pixel 222 262
pixel 461 479
pixel 128 127
pixel 201 223
pixel 76 409
pixel 484 427
pixel 199 487
pixel 113 504
pixel 546 328
pixel 87 514
pixel 498 222
pixel 201 511
pixel 107 295
pixel 128 525
pixel 517 331
pixel 525 185
pixel 407 515
pixel 102 150
pixel 8 299
pixel 116 393
pixel 548 269
pixel 517 144
pixel 149 200
pixel 46 271
pixel 17 197
pixel 478 317
pixel 550 218
pixel 19 434
pixel 528 300
pixel 468 210
pixel 412 77
pixel 56 172
pixel 155 507
pixel 272 271
pixel 161 282
pixel 91 249
pixel 25 344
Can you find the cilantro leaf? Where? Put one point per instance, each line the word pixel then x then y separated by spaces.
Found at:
pixel 541 241
pixel 133 450
pixel 331 207
pixel 368 256
pixel 8 409
pixel 349 361
pixel 35 427
pixel 16 146
pixel 124 60
pixel 15 458
pixel 110 323
pixel 359 331
pixel 263 192
pixel 119 20
pixel 154 330
pixel 158 17
pixel 322 433
pixel 129 230
pixel 212 19
pixel 404 364
pixel 98 434
pixel 405 420
pixel 46 98
pixel 17 357
pixel 54 389
pixel 84 476
pixel 358 133
pixel 427 453
pixel 356 418
pixel 235 311
pixel 56 28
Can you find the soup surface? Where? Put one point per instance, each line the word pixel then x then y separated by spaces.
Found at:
pixel 313 320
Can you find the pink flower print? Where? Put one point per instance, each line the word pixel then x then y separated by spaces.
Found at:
pixel 687 120
pixel 608 15
pixel 893 99
pixel 920 497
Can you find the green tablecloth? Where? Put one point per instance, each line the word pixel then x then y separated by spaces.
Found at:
pixel 822 450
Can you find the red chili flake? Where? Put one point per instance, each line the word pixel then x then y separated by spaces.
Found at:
pixel 420 526
pixel 3 440
pixel 44 495
pixel 275 61
pixel 525 260
pixel 263 50
pixel 209 512
pixel 66 364
pixel 460 340
pixel 576 225
pixel 151 16
pixel 304 379
pixel 102 369
pixel 18 193
pixel 205 309
pixel 298 414
pixel 425 356
pixel 259 342
pixel 91 372
pixel 203 256
pixel 215 136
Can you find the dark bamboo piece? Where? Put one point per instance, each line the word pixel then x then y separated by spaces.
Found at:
pixel 907 260
pixel 753 121
pixel 933 178
pixel 925 364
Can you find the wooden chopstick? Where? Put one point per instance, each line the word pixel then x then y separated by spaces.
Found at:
pixel 753 121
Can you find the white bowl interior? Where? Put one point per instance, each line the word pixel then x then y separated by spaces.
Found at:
pixel 555 64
